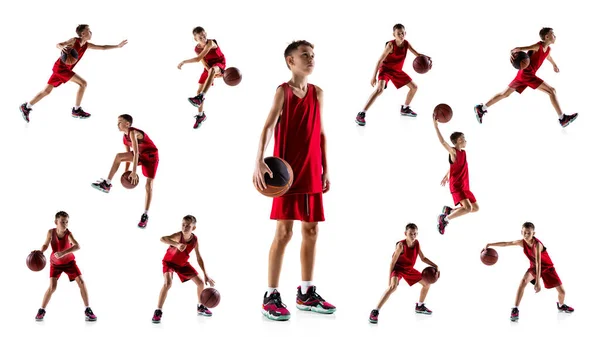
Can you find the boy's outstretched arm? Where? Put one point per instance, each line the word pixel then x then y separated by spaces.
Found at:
pixel 107 47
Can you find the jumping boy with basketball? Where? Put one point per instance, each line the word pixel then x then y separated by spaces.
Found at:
pixel 458 176
pixel 62 73
pixel 389 68
pixel 403 263
pixel 296 120
pixel 62 260
pixel 541 267
pixel 141 151
pixel 538 52
pixel 212 58
pixel 176 260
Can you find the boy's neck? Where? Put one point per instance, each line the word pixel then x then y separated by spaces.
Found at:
pixel 410 243
pixel 398 43
pixel 187 237
pixel 299 81
pixel 60 232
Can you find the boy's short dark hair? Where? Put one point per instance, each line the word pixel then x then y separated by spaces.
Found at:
pixel 61 214
pixel 294 46
pixel 190 218
pixel 198 30
pixel 79 30
pixel 544 31
pixel 411 226
pixel 127 118
pixel 454 137
pixel 529 225
pixel 399 26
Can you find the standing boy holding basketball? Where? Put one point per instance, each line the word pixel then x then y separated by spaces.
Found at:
pixel 296 119
pixel 214 62
pixel 458 176
pixel 140 150
pixel 62 260
pixel 538 52
pixel 62 73
pixel 541 267
pixel 176 260
pixel 403 263
pixel 389 68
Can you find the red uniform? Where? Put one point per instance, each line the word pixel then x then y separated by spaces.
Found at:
pixel 65 264
pixel 391 68
pixel 177 261
pixel 148 157
pixel 298 142
pixel 62 73
pixel 214 58
pixel 405 264
pixel 526 77
pixel 548 274
pixel 459 178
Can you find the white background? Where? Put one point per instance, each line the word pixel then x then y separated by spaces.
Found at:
pixel 523 165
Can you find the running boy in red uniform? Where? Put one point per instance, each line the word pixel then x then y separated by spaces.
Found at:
pixel 62 260
pixel 296 120
pixel 62 73
pixel 141 151
pixel 538 52
pixel 541 266
pixel 403 263
pixel 389 68
pixel 214 62
pixel 176 260
pixel 458 175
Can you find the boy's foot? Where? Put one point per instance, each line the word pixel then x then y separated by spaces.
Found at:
pixel 25 111
pixel 102 185
pixel 514 314
pixel 442 223
pixel 199 120
pixel 273 308
pixel 360 119
pixel 406 111
pixel 79 113
pixel 479 112
pixel 143 221
pixel 422 309
pixel 374 317
pixel 196 100
pixel 311 301
pixel 89 315
pixel 447 210
pixel 202 310
pixel 40 315
pixel 567 119
pixel 564 308
pixel 157 316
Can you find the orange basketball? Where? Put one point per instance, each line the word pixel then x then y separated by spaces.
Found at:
pixel 429 275
pixel 422 64
pixel 443 113
pixel 489 256
pixel 210 297
pixel 232 76
pixel 125 181
pixel 36 260
pixel 69 57
pixel 282 180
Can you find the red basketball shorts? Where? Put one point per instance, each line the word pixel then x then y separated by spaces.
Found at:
pixel 411 276
pixel 149 163
pixel 185 272
pixel 460 195
pixel 524 80
pixel 59 77
pixel 204 75
pixel 398 78
pixel 69 268
pixel 303 207
pixel 549 276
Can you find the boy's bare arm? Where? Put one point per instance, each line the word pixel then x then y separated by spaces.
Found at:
pixel 47 241
pixel 505 244
pixel 533 47
pixel 388 49
pixel 65 45
pixel 172 239
pixel 107 47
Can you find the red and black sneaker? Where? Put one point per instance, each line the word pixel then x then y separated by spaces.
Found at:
pixel 89 315
pixel 40 315
pixel 79 113
pixel 568 119
pixel 479 112
pixel 514 314
pixel 200 118
pixel 102 185
pixel 360 119
pixel 374 317
pixel 442 223
pixel 203 311
pixel 447 210
pixel 407 111
pixel 311 301
pixel 143 221
pixel 25 111
pixel 273 308
pixel 157 316
pixel 564 308
pixel 422 309
pixel 196 100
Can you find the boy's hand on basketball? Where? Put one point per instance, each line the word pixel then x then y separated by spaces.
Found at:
pixel 181 247
pixel 556 69
pixel 120 45
pixel 62 47
pixel 259 174
pixel 208 281
pixel 437 274
pixel 326 183
pixel 133 178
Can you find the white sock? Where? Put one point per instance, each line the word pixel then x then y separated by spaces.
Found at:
pixel 160 309
pixel 516 307
pixel 146 212
pixel 561 116
pixel 484 107
pixel 29 105
pixel 304 286
pixel 108 181
pixel 420 303
pixel 76 107
pixel 270 291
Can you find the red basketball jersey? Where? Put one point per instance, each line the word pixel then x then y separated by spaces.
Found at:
pixel 395 59
pixel 180 258
pixel 408 258
pixel 536 59
pixel 530 253
pixel 145 144
pixel 214 56
pixel 459 172
pixel 59 65
pixel 298 140
pixel 58 245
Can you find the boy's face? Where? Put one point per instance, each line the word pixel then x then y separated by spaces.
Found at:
pixel 86 34
pixel 550 37
pixel 122 124
pixel 200 37
pixel 399 34
pixel 302 60
pixel 527 233
pixel 187 226
pixel 62 223
pixel 411 234
pixel 461 142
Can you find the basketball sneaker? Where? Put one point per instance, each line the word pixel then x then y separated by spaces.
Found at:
pixel 406 111
pixel 564 308
pixel 422 309
pixel 143 221
pixel 568 119
pixel 200 118
pixel 442 223
pixel 202 310
pixel 360 119
pixel 311 301
pixel 157 316
pixel 374 317
pixel 446 210
pixel 273 308
pixel 102 185
pixel 196 100
pixel 25 111
pixel 514 314
pixel 479 112
pixel 79 113
pixel 89 315
pixel 40 315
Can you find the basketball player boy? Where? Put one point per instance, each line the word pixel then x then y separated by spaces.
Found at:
pixel 403 266
pixel 458 176
pixel 538 52
pixel 62 260
pixel 296 120
pixel 176 260
pixel 62 73
pixel 541 267
pixel 211 56
pixel 389 68
pixel 140 150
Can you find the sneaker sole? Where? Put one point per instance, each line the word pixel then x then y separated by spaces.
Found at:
pixel 359 123
pixel 408 115
pixel 99 189
pixel 205 315
pixel 423 313
pixel 514 319
pixel 80 117
pixel 477 115
pixel 155 322
pixel 566 312
pixel 23 115
pixel 275 318
pixel 315 309
pixel 569 123
pixel 372 322
pixel 39 319
pixel 90 319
